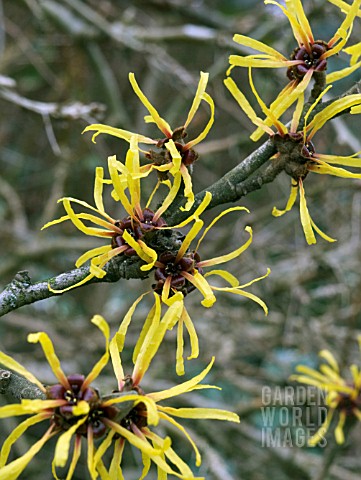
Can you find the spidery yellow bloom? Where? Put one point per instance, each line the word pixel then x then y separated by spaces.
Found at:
pixel 72 409
pixel 310 56
pixel 126 236
pixel 342 396
pixel 182 272
pixel 296 149
pixel 134 428
pixel 174 154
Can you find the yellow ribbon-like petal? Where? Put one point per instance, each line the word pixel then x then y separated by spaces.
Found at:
pixel 345 72
pixel 154 338
pixel 258 61
pixel 231 255
pixel 119 186
pixel 201 413
pixel 339 435
pixel 103 326
pixel 347 161
pixel 355 110
pixel 13 470
pixel 245 105
pixel 243 293
pixel 170 197
pixel 218 217
pixel 170 454
pixel 202 84
pixel 321 233
pixel 303 36
pixel 192 334
pixel 171 420
pixel 344 31
pixel 285 99
pixel 193 232
pixel 184 387
pixel 203 286
pixel 94 252
pixel 74 460
pixel 325 169
pixel 296 6
pixel 282 129
pixel 180 349
pixel 257 45
pixel 228 277
pixel 139 443
pixel 354 50
pixel 115 132
pixel 63 444
pixel 188 189
pixel 199 210
pixel 143 251
pixel 17 432
pixel 156 118
pixel 207 98
pixel 320 434
pixel 152 413
pixel 153 318
pixel 331 110
pixel 115 470
pixel 305 217
pixel 51 357
pixel 329 357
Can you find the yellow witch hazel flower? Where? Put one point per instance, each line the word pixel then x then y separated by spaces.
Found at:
pixel 134 427
pixel 296 150
pixel 174 154
pixel 342 396
pixel 309 57
pixel 182 272
pixel 126 235
pixel 72 409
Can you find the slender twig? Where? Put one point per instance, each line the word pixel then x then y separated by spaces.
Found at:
pixel 21 291
pixel 73 110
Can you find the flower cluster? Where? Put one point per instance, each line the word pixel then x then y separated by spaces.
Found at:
pixel 73 409
pixel 308 58
pixel 296 152
pixel 172 155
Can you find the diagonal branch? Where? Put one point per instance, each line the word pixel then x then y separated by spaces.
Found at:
pixel 235 184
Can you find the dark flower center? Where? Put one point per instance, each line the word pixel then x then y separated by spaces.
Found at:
pixel 137 228
pixel 138 415
pixel 173 268
pixel 162 157
pixel 348 404
pixel 64 417
pixel 310 59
